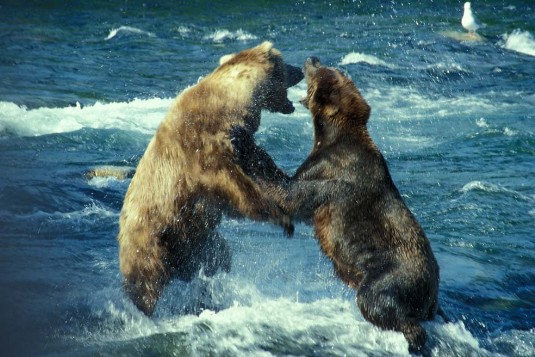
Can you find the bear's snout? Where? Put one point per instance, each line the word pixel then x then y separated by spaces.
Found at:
pixel 294 75
pixel 311 65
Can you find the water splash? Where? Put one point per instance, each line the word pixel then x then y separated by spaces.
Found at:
pixel 519 41
pixel 220 36
pixel 356 57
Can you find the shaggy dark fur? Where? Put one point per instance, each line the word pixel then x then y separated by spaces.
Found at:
pixel 361 221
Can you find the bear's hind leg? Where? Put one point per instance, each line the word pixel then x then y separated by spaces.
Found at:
pixel 144 290
pixel 145 275
pixel 383 309
pixel 414 334
pixel 144 293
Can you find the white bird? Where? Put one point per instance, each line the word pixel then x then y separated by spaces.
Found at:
pixel 468 21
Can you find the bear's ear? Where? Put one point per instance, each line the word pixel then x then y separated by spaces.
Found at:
pixel 333 104
pixel 265 46
pixel 329 99
pixel 226 58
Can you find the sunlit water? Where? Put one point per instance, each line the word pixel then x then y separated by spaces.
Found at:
pixel 86 84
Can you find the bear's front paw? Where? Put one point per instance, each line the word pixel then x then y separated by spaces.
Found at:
pixel 279 217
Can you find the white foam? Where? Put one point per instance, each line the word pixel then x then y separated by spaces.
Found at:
pixel 393 105
pixel 138 115
pixel 78 218
pixel 519 41
pixel 453 339
pixel 223 35
pixel 183 30
pixel 480 186
pixel 108 182
pixel 262 326
pixel 406 103
pixel 90 212
pixel 509 132
pixel 356 57
pixel 516 342
pixel 128 29
pixel 142 115
pixel 482 123
pixel 399 103
pixel 332 326
pixel 298 326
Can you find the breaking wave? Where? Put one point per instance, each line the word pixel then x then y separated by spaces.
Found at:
pixel 128 30
pixel 519 41
pixel 355 57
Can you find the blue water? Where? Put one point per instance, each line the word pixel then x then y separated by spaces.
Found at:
pixel 85 84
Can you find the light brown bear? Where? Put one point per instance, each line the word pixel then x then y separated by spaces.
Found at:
pixel 361 221
pixel 189 177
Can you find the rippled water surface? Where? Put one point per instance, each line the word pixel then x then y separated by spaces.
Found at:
pixel 86 84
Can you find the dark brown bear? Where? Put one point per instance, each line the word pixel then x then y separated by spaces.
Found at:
pixel 363 225
pixel 189 177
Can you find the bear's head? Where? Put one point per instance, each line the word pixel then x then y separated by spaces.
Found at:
pixel 262 72
pixel 333 100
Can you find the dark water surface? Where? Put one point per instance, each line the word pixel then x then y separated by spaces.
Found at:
pixel 86 83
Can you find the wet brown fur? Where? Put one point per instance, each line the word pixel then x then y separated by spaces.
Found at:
pixel 188 177
pixel 361 221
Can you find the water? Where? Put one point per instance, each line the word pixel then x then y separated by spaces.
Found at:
pixel 86 84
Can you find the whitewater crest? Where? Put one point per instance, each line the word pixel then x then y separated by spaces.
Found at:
pixel 139 115
pixel 519 41
pixel 490 188
pixel 128 30
pixel 263 326
pixel 356 57
pixel 223 35
pixel 79 217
